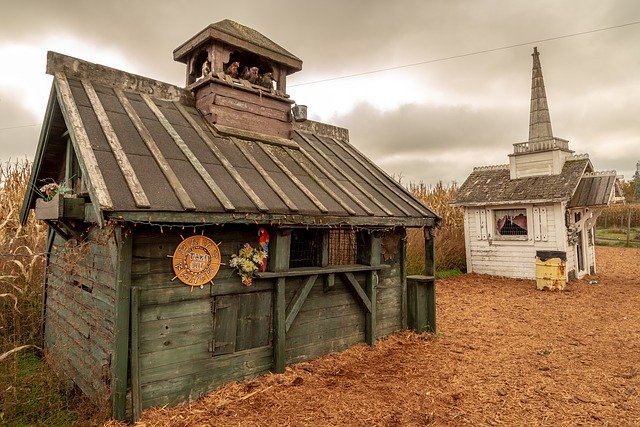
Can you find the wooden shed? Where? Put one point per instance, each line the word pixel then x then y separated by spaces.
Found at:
pixel 149 189
pixel 543 204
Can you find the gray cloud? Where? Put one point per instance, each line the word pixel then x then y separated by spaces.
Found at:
pixel 592 80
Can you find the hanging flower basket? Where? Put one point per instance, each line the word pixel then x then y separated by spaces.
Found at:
pixel 247 261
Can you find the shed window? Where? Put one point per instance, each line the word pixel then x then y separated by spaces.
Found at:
pixel 305 248
pixel 340 247
pixel 511 222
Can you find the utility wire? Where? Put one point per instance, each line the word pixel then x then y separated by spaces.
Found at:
pixel 21 126
pixel 463 55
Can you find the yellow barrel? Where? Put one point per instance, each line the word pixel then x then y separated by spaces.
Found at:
pixel 551 270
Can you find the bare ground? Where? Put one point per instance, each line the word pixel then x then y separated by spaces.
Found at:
pixel 505 354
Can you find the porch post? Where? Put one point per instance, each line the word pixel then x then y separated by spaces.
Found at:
pixel 279 261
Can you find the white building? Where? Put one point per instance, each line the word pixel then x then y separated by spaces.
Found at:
pixel 543 204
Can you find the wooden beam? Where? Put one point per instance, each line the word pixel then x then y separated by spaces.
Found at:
pixel 217 191
pixel 390 183
pixel 234 173
pixel 120 361
pixel 171 176
pixel 371 285
pixel 265 175
pixel 135 354
pixel 429 251
pixel 129 174
pixel 359 292
pixel 332 269
pixel 298 300
pixel 295 179
pixel 206 177
pixel 362 176
pixel 321 183
pixel 86 158
pixel 279 261
pixel 256 136
pixel 347 176
pixel 279 219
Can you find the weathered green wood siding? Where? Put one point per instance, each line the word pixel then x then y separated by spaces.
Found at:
pixel 79 312
pixel 194 340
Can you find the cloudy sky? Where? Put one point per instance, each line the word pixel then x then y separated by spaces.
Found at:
pixel 455 94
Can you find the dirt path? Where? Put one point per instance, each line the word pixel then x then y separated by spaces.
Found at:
pixel 505 354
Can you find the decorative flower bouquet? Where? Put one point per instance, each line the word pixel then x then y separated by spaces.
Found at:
pixel 48 191
pixel 247 261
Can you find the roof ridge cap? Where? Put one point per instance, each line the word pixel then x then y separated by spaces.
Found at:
pixel 491 167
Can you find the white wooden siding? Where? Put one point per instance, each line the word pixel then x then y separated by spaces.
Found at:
pixel 512 258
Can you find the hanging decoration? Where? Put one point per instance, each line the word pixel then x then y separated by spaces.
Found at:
pixel 196 260
pixel 263 241
pixel 248 260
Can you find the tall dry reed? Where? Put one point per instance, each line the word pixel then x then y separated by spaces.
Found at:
pixel 21 261
pixel 449 243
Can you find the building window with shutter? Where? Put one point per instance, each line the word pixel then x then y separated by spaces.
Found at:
pixel 511 223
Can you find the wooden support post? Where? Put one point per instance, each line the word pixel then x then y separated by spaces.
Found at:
pixel 135 353
pixel 120 362
pixel 279 261
pixel 402 249
pixel 430 270
pixel 429 252
pixel 371 290
pixel 421 291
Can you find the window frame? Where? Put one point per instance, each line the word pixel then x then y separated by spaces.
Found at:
pixel 496 236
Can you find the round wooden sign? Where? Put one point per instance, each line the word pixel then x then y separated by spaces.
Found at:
pixel 196 260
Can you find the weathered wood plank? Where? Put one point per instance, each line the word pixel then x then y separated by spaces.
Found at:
pixel 336 182
pixel 210 374
pixel 289 219
pixel 388 182
pixel 135 354
pixel 226 164
pixel 298 300
pixel 122 312
pixel 322 347
pixel 362 296
pixel 157 329
pixel 348 176
pixel 206 363
pixel 254 320
pixel 279 261
pixel 294 179
pixel 82 145
pixel 129 174
pixel 217 191
pixel 161 161
pixel 195 162
pixel 225 324
pixel 371 289
pixel 175 310
pixel 265 175
pixel 256 136
pixel 245 105
pixel 321 183
pixel 307 271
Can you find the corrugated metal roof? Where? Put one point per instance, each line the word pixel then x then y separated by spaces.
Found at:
pixel 492 186
pixel 145 156
pixel 594 189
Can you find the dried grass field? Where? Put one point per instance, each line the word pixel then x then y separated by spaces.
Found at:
pixel 505 354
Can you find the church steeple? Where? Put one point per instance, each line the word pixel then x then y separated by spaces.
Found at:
pixel 539 119
pixel 543 153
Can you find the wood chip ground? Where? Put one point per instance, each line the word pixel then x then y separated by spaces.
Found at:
pixel 505 354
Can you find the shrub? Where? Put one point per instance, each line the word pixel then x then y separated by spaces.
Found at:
pixel 449 239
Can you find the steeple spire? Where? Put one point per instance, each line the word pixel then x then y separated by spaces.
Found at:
pixel 539 119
